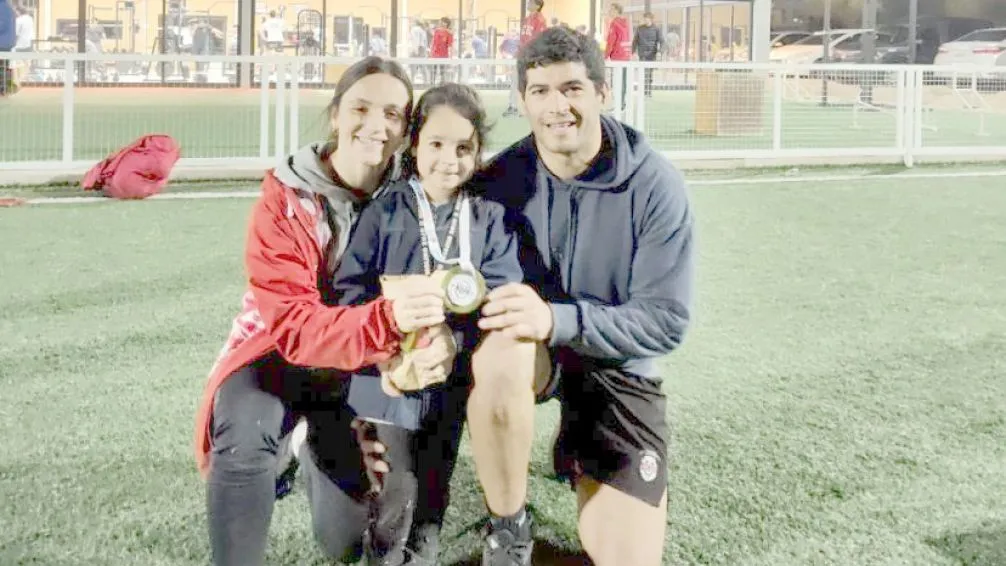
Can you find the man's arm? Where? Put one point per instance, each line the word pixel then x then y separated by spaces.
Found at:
pixel 654 319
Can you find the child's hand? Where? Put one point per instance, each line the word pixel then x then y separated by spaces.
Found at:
pixel 435 361
pixel 428 363
pixel 387 369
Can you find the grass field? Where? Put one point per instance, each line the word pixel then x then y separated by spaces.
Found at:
pixel 225 123
pixel 840 400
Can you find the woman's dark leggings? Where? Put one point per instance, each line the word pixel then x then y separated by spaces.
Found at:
pixel 256 407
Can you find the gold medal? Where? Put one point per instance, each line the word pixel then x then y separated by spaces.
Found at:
pixel 464 290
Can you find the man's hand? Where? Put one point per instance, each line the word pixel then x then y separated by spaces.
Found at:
pixel 517 311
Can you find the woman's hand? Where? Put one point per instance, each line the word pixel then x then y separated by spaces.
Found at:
pixel 416 303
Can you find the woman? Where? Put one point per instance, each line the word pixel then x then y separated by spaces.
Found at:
pixel 289 347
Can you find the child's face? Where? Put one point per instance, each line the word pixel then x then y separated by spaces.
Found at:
pixel 446 151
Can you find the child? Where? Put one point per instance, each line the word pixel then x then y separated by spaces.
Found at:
pixel 429 223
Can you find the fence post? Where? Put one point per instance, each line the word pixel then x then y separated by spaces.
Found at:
pixel 264 121
pixel 280 140
pixel 616 87
pixel 901 109
pixel 777 86
pixel 69 73
pixel 913 114
pixel 294 128
pixel 640 119
pixel 918 114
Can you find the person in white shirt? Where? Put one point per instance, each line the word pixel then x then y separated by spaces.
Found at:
pixel 419 48
pixel 24 30
pixel 273 31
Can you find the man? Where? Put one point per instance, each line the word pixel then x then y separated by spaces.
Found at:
pixel 608 253
pixel 532 25
pixel 618 45
pixel 647 44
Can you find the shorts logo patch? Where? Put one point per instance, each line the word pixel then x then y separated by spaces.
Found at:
pixel 649 465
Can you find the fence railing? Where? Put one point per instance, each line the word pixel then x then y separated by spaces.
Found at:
pixel 74 109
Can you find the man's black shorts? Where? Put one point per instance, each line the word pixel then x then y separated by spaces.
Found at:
pixel 613 428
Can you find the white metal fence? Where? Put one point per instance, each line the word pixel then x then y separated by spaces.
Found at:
pixel 74 109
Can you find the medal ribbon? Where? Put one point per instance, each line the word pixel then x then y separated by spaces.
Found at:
pixel 428 231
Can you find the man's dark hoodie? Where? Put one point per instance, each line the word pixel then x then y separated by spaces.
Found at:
pixel 8 26
pixel 612 251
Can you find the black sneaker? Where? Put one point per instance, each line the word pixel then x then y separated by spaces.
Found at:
pixel 511 112
pixel 508 541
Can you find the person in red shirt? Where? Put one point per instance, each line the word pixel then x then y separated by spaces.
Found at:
pixel 440 48
pixel 532 25
pixel 618 44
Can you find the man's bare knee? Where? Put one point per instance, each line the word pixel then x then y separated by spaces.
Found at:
pixel 503 372
pixel 616 528
pixel 503 365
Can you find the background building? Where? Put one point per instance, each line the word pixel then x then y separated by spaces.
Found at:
pixel 345 27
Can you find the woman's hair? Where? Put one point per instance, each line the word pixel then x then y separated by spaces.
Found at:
pixel 464 100
pixel 372 65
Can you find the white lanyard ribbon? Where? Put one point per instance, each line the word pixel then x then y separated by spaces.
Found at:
pixel 428 225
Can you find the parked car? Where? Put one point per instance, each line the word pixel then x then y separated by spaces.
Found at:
pixel 985 49
pixel 930 34
pixel 850 50
pixel 811 48
pixel 784 38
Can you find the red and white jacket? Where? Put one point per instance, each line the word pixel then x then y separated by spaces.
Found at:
pixel 618 41
pixel 289 243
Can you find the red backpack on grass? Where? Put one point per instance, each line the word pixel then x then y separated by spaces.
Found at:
pixel 137 171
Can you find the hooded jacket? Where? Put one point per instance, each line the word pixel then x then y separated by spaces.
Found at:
pixel 618 42
pixel 386 241
pixel 299 227
pixel 612 251
pixel 8 26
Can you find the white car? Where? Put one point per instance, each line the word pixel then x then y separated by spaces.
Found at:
pixel 784 38
pixel 811 49
pixel 984 48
